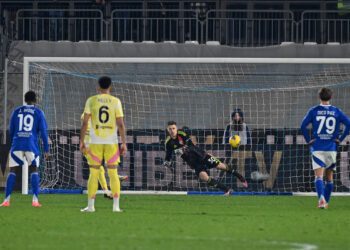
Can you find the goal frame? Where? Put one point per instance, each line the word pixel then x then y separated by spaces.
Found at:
pixel 170 60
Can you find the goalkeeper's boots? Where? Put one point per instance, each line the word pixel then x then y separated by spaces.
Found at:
pixel 87 210
pixel 5 204
pixel 228 192
pixel 322 204
pixel 36 204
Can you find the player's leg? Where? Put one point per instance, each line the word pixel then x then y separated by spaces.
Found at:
pixel 15 161
pixel 94 158
pixel 10 183
pixel 328 188
pixel 318 165
pixel 232 171
pixel 102 179
pixel 203 175
pixel 331 167
pixel 213 162
pixel 33 162
pixel 112 158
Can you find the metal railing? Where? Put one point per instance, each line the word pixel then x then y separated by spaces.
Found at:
pixel 325 26
pixel 156 25
pixel 249 27
pixel 59 24
pixel 229 27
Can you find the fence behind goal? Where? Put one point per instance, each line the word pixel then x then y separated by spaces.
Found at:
pixel 200 95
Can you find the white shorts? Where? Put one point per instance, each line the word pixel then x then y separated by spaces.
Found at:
pixel 324 159
pixel 17 158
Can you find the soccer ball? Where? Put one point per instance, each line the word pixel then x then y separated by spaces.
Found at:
pixel 234 141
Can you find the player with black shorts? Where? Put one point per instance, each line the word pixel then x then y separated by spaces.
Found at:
pixel 199 160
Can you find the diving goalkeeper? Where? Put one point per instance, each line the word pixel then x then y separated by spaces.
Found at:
pixel 199 160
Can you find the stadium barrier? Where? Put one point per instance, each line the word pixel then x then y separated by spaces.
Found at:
pixel 247 28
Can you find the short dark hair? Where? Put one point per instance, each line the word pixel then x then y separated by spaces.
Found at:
pixel 105 82
pixel 30 97
pixel 171 123
pixel 325 94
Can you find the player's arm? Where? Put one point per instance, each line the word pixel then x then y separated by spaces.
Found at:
pixel 306 121
pixel 168 153
pixel 346 121
pixel 83 129
pixel 122 132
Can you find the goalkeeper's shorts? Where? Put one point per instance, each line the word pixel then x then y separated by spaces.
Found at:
pixel 108 152
pixel 208 162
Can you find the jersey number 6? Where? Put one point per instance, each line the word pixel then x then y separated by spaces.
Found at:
pixel 103 118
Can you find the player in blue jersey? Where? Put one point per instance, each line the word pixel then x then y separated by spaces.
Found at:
pixel 26 123
pixel 326 120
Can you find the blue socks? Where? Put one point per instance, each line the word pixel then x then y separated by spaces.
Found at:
pixel 10 183
pixel 34 180
pixel 319 188
pixel 328 190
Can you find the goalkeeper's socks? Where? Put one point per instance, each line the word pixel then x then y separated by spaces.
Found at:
pixel 34 181
pixel 214 183
pixel 319 188
pixel 10 182
pixel 328 190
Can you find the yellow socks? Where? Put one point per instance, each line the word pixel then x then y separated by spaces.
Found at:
pixel 102 178
pixel 93 183
pixel 114 182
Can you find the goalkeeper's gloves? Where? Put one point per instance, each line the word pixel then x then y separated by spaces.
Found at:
pixel 181 151
pixel 167 164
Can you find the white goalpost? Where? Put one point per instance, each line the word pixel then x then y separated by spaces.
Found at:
pixel 200 94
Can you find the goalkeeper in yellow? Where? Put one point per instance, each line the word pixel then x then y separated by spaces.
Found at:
pixel 106 115
pixel 101 176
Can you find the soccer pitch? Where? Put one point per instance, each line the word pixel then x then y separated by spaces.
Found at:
pixel 176 222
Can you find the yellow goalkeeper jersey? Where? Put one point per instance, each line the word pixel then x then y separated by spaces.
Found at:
pixel 104 110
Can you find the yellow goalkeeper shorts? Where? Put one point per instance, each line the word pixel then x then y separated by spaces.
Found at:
pixel 108 152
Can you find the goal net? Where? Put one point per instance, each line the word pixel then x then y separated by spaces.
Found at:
pixel 200 94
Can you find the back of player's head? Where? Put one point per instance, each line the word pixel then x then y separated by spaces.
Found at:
pixel 325 94
pixel 171 123
pixel 30 97
pixel 104 82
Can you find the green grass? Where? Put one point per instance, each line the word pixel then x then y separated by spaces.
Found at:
pixel 176 222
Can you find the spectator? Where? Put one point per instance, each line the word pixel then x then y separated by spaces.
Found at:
pixel 237 126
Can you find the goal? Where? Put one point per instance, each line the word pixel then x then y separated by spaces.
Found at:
pixel 200 94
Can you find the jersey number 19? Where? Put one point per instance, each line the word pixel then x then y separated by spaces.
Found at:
pixel 26 122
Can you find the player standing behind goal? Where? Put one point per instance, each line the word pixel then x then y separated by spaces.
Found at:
pixel 106 114
pixel 25 124
pixel 325 121
pixel 180 143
